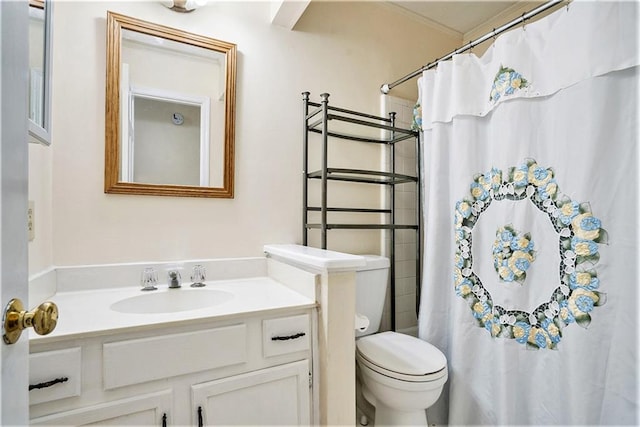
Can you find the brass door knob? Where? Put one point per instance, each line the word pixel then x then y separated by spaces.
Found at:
pixel 43 319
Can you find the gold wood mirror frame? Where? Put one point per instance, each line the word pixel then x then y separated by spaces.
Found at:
pixel 114 183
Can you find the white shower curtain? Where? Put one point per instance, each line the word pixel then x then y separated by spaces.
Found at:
pixel 530 283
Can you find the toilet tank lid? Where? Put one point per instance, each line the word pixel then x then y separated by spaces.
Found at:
pixel 401 353
pixel 374 262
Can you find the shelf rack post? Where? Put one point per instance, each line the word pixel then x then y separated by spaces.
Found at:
pixel 325 165
pixel 419 222
pixel 305 166
pixel 392 219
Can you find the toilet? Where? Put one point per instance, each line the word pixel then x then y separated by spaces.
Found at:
pixel 400 375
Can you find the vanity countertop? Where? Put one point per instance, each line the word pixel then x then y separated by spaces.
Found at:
pixel 88 313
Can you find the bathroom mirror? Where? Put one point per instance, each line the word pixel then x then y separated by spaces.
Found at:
pixel 170 111
pixel 39 70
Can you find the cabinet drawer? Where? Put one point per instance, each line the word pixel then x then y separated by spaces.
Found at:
pixel 285 335
pixel 141 360
pixel 54 375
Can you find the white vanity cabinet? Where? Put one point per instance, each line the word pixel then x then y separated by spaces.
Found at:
pixel 255 369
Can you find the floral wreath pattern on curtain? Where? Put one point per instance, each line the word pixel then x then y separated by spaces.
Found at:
pixel 579 234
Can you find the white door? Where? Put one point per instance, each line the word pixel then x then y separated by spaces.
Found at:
pixel 14 402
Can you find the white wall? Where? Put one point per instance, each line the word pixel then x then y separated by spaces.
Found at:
pixel 41 191
pixel 347 49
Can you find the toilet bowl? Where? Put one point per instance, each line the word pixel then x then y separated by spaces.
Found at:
pixel 400 375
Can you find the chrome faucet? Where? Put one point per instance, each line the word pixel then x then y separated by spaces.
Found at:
pixel 174 280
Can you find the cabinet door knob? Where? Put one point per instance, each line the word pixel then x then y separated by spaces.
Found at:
pixel 43 319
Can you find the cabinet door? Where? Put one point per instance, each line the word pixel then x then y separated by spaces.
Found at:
pixel 272 396
pixel 151 409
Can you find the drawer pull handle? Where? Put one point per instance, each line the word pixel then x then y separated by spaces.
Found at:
pixel 288 337
pixel 48 383
pixel 200 420
pixel 164 419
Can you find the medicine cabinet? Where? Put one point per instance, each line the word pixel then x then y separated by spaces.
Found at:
pixel 40 71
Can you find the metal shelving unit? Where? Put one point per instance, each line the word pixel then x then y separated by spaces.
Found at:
pixel 318 116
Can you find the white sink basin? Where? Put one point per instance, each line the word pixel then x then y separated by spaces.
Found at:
pixel 171 301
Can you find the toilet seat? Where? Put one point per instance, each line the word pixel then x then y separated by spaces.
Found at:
pixel 402 357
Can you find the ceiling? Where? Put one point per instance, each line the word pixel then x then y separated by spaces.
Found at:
pixel 460 16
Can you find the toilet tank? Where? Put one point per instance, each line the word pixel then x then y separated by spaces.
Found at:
pixel 371 290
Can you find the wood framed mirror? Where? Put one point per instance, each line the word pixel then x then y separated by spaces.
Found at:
pixel 170 111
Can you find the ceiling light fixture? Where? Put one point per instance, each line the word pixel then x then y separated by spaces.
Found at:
pixel 183 6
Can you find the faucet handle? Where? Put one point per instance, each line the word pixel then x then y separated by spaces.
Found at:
pixel 198 276
pixel 149 279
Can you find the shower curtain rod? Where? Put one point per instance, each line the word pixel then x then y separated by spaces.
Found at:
pixel 385 88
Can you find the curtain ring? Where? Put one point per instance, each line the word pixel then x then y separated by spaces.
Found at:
pixel 524 21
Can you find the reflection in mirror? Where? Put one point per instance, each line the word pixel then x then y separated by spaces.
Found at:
pixel 170 111
pixel 166 145
pixel 39 70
